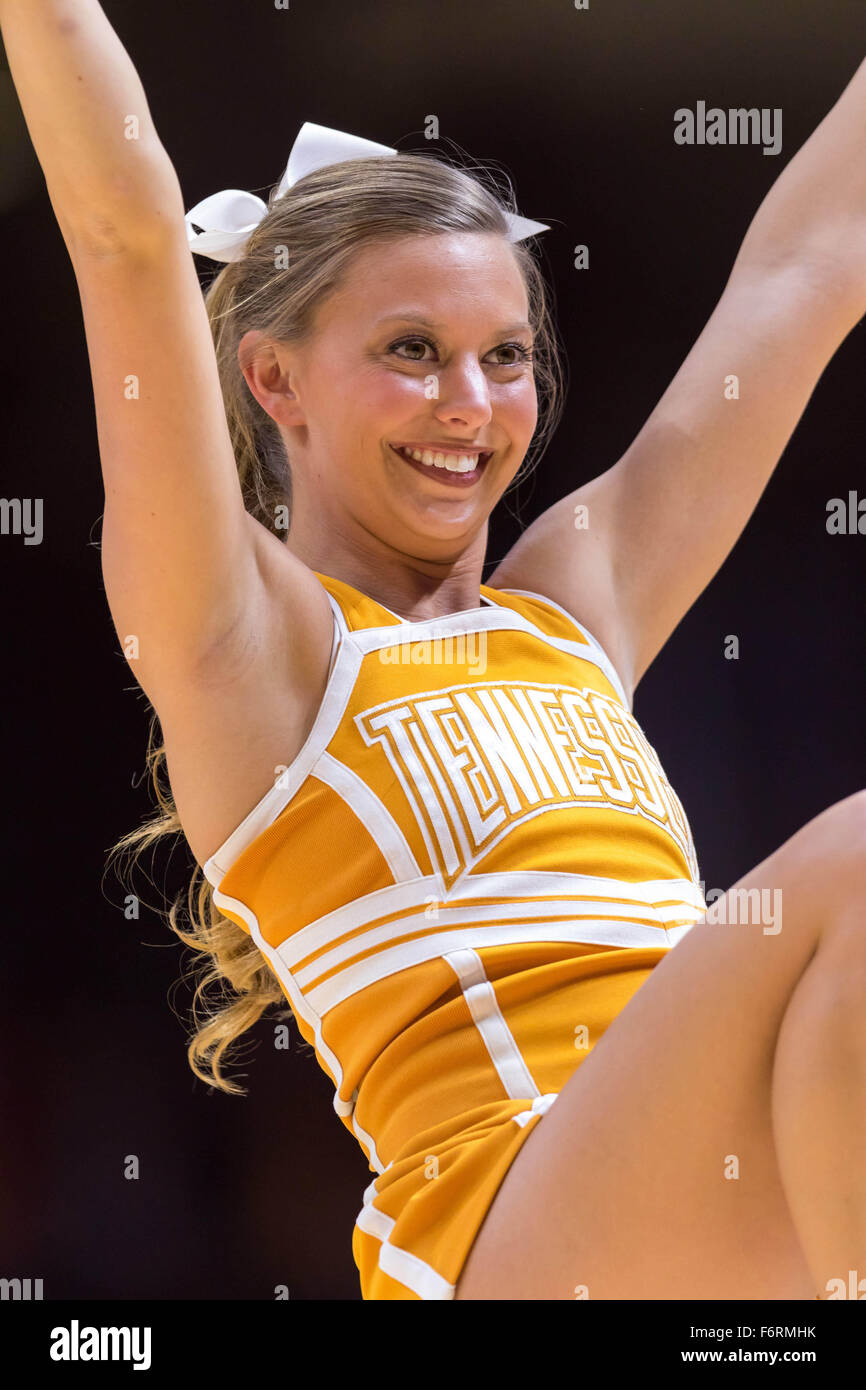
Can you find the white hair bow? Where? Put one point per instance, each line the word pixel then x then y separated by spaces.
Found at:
pixel 230 217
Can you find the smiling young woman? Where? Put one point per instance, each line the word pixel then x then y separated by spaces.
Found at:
pixel 474 884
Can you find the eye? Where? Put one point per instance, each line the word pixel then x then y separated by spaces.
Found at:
pixel 523 353
pixel 411 342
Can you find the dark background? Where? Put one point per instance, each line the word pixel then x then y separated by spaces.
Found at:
pixel 237 1195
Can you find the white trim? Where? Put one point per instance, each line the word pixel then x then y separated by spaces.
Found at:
pixel 615 677
pixel 524 887
pixel 534 882
pixel 495 1033
pixel 390 611
pixel 349 646
pixel 415 1274
pixel 360 912
pixel 345 663
pixel 539 1106
pixel 373 815
pixel 596 931
pixel 399 1264
pixel 371 639
pixel 495 618
pixel 328 1060
pixel 367 1142
pixel 471 926
pixel 407 1269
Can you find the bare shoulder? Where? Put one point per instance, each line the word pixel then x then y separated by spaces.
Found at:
pixel 573 568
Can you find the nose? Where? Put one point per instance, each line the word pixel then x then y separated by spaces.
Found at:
pixel 462 394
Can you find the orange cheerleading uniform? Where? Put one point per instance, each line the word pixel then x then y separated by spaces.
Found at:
pixel 471 866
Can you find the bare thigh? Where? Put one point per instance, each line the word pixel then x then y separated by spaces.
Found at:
pixel 654 1174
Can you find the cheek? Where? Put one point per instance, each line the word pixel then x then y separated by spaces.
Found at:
pixel 390 394
pixel 373 404
pixel 520 408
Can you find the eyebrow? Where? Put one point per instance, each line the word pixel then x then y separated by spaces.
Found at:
pixel 412 317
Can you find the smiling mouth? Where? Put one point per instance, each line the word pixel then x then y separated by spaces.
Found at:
pixel 452 468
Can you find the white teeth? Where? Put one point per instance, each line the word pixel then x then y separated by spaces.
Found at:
pixel 454 463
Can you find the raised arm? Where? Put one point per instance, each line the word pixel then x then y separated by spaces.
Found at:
pixel 664 518
pixel 107 173
pixel 182 559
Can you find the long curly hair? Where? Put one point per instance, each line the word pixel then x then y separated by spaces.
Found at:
pixel 295 258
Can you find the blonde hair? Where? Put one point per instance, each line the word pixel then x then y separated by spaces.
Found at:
pixel 295 258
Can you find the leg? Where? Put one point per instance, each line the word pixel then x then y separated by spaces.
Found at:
pixel 655 1174
pixel 819 1107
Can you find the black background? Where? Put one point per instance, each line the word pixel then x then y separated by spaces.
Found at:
pixel 237 1195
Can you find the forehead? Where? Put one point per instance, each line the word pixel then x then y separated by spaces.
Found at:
pixel 446 277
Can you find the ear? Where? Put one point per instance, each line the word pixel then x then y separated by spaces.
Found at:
pixel 268 369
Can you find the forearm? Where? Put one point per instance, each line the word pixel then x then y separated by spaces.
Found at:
pixel 88 117
pixel 815 212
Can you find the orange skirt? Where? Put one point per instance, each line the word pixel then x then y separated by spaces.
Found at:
pixel 420 1217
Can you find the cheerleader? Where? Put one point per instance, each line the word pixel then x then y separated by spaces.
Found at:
pixel 422 810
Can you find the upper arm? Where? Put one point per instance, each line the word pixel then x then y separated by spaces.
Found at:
pixel 664 518
pixel 178 546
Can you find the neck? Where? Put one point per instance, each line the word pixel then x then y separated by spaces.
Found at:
pixel 415 588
